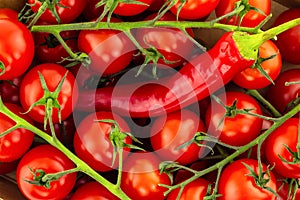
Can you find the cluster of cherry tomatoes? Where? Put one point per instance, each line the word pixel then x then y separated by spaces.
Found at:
pixel 37 86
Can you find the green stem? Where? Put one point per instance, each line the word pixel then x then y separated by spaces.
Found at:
pixel 40 11
pixel 125 26
pixel 261 99
pixel 64 45
pixel 82 166
pixel 241 150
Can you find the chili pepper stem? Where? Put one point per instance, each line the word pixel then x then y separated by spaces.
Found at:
pixel 248 44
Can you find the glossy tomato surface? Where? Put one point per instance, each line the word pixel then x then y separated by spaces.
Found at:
pixel 141 177
pixel 236 130
pixel 236 183
pixel 288 42
pixel 279 143
pixel 252 78
pixel 15 144
pixel 31 91
pixel 92 140
pixel 50 160
pixel 16 59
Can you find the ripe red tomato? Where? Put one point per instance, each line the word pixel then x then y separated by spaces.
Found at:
pixel 282 96
pixel 68 10
pixel 284 136
pixel 8 13
pixel 168 41
pixel 15 58
pixel 194 9
pixel 252 78
pixel 194 190
pixel 236 183
pixel 110 50
pixel 31 91
pixel 92 143
pixel 129 9
pixel 167 134
pixel 93 190
pixel 7 167
pixel 16 143
pixel 288 42
pixel 141 177
pixel 251 19
pixel 50 160
pixel 237 130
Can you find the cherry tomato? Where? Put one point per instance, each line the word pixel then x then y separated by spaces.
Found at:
pixel 16 143
pixel 194 9
pixel 50 160
pixel 252 78
pixel 15 58
pixel 168 134
pixel 288 42
pixel 277 144
pixel 67 10
pixel 10 90
pixel 168 41
pixel 31 91
pixel 49 50
pixel 284 97
pixel 93 190
pixel 237 183
pixel 194 190
pixel 236 130
pixel 110 50
pixel 141 177
pixel 8 13
pixel 252 17
pixel 129 9
pixel 92 143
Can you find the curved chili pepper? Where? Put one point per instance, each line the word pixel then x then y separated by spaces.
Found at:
pixel 208 72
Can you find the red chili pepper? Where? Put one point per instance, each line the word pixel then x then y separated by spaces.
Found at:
pixel 196 80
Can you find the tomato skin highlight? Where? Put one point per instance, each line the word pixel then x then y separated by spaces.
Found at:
pixel 31 91
pixel 240 129
pixel 110 50
pixel 50 160
pixel 91 135
pixel 195 9
pixel 286 134
pixel 141 176
pixel 251 78
pixel 15 144
pixel 236 184
pixel 15 58
pixel 178 128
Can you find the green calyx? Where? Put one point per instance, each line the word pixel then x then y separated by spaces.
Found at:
pixel 49 100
